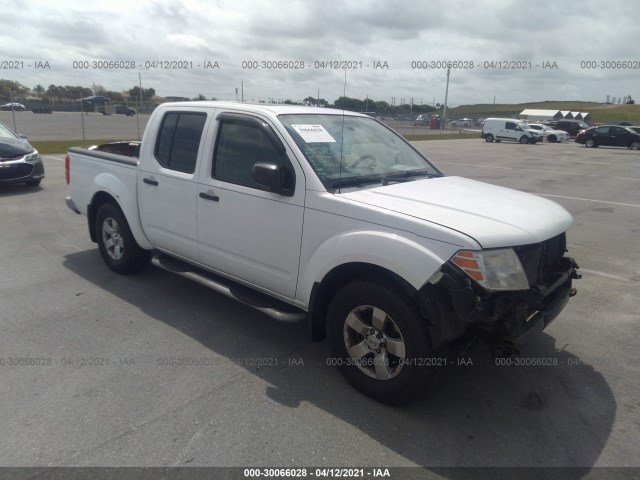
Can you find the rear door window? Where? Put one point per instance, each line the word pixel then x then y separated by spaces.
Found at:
pixel 179 140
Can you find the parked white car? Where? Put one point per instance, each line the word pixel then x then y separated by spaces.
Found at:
pixel 550 135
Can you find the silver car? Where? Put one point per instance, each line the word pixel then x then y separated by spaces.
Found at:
pixel 549 134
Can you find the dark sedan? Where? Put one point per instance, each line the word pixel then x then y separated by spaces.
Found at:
pixel 610 136
pixel 19 161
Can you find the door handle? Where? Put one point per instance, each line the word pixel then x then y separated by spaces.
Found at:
pixel 150 181
pixel 206 196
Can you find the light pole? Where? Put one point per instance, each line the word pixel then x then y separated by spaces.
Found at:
pixel 139 104
pixel 13 112
pixel 446 96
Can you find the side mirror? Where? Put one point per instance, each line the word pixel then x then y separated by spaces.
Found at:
pixel 24 137
pixel 268 175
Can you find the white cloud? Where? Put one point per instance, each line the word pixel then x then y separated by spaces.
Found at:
pixel 398 32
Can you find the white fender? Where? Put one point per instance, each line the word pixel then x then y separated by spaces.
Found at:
pixel 400 255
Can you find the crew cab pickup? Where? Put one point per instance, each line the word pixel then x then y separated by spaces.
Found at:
pixel 329 217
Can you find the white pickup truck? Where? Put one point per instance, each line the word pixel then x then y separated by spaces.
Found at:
pixel 330 217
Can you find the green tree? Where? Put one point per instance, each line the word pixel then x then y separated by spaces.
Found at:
pixel 67 92
pixel 10 89
pixel 315 102
pixel 147 93
pixel 99 90
pixel 114 96
pixel 347 103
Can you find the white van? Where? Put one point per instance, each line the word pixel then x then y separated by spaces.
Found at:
pixel 511 129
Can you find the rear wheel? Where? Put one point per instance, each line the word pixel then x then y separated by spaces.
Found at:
pixel 488 138
pixel 116 243
pixel 380 341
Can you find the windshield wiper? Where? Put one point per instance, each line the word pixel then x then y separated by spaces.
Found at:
pixel 407 174
pixel 357 181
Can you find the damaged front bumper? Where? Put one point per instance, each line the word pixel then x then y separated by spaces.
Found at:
pixel 457 306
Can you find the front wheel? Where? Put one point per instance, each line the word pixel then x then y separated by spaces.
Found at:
pixel 524 140
pixel 635 145
pixel 590 143
pixel 116 243
pixel 488 138
pixel 380 341
pixel 552 139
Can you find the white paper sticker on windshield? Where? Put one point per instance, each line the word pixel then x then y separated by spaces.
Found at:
pixel 313 133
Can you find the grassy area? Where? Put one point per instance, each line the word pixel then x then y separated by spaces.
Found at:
pixel 515 108
pixel 49 147
pixel 600 112
pixel 616 114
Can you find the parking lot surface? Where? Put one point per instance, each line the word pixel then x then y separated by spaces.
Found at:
pixel 153 370
pixel 74 126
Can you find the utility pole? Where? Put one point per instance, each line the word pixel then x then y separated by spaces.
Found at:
pixel 242 90
pixel 139 104
pixel 446 97
pixel 13 112
pixel 82 116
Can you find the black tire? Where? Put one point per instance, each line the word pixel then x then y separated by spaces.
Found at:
pixel 524 140
pixel 33 183
pixel 398 320
pixel 118 247
pixel 552 139
pixel 590 143
pixel 488 138
pixel 635 145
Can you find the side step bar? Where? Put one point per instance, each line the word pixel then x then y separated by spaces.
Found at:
pixel 272 307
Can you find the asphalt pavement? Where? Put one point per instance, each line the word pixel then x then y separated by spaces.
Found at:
pixel 98 369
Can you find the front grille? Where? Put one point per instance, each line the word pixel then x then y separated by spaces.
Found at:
pixel 18 170
pixel 539 260
pixel 12 157
pixel 38 169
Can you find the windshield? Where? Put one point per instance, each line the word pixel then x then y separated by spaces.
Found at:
pixel 5 132
pixel 343 148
